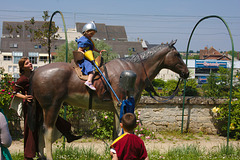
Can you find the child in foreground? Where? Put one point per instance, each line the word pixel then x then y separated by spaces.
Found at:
pixel 128 146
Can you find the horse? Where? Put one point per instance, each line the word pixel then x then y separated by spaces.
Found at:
pixel 57 83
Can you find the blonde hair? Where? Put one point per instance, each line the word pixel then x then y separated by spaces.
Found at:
pixel 89 32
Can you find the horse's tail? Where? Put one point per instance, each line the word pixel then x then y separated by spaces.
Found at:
pixel 34 108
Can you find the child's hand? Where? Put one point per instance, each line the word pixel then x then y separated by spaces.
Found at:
pixel 102 51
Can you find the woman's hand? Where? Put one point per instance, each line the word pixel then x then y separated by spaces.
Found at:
pixel 28 97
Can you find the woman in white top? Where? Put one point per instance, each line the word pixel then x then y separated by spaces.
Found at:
pixel 5 137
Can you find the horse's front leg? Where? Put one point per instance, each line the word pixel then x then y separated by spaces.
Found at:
pixel 41 144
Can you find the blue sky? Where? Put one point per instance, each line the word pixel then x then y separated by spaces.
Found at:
pixel 156 21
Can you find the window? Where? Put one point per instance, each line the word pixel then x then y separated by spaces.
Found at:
pixel 7 58
pixel 132 49
pixel 33 57
pixel 32 54
pixel 17 56
pixel 53 57
pixel 9 69
pixel 13 45
pixel 15 69
pixel 28 35
pixel 33 60
pixel 16 59
pixel 43 58
pixel 16 76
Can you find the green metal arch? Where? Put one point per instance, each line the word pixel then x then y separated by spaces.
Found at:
pixel 229 32
pixel 65 30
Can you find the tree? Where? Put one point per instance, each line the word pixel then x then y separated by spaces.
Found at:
pixel 158 83
pixel 191 88
pixel 169 87
pixel 41 34
pixel 45 16
pixel 218 84
pixel 109 54
pixel 61 52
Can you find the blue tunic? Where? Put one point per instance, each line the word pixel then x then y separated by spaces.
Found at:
pixel 85 64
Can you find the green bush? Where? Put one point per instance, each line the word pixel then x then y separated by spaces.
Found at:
pixel 218 84
pixel 223 113
pixel 103 125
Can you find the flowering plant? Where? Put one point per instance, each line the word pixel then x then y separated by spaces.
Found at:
pixel 103 125
pixel 142 132
pixel 6 84
pixel 223 113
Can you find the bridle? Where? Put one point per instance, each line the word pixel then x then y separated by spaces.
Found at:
pixel 149 87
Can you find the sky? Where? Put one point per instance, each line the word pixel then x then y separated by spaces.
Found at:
pixel 156 21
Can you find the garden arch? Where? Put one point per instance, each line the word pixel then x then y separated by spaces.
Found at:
pixel 230 94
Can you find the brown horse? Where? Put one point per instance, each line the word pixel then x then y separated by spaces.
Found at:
pixel 56 83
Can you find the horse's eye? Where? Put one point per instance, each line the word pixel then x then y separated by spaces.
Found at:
pixel 178 55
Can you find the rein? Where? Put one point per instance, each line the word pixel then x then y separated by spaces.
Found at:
pixel 151 89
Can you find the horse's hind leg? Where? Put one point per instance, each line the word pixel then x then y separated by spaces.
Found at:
pixel 48 143
pixel 50 117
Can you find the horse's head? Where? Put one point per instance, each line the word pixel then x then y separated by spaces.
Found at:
pixel 174 62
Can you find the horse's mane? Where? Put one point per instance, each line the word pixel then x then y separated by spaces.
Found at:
pixel 144 55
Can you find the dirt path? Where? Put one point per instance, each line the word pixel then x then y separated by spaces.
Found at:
pixel 162 144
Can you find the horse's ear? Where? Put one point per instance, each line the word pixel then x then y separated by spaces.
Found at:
pixel 173 42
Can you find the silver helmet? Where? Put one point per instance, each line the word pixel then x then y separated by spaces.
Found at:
pixel 127 80
pixel 89 26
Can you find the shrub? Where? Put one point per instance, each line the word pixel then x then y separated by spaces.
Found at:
pixel 222 118
pixel 141 131
pixel 103 125
pixel 6 84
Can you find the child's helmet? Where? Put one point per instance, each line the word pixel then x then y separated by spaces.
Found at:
pixel 89 26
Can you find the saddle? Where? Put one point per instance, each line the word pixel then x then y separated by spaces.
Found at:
pixel 77 57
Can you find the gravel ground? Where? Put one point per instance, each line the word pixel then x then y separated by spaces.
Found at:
pixel 162 144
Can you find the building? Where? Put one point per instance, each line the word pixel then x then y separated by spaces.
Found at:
pixel 116 37
pixel 72 34
pixel 16 42
pixel 212 53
